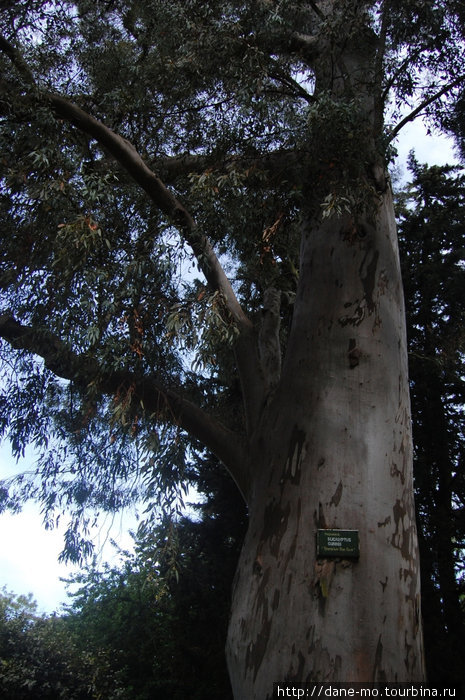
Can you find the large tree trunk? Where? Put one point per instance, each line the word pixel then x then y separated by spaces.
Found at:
pixel 334 451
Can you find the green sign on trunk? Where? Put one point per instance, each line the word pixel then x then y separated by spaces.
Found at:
pixel 337 543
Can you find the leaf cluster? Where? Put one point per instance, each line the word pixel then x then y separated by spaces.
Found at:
pixel 39 659
pixel 161 613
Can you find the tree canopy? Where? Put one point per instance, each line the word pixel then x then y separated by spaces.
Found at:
pixel 199 254
pixel 155 161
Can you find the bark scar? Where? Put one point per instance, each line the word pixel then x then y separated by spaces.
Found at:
pixel 354 353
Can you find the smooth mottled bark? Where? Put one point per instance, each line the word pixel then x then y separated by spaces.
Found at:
pixel 334 451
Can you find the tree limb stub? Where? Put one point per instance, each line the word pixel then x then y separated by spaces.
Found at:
pixel 307 44
pixel 84 370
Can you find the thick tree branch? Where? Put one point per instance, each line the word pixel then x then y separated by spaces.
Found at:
pixel 16 58
pixel 296 89
pixel 317 10
pixel 127 156
pixel 129 159
pixel 270 166
pixel 437 95
pixel 84 369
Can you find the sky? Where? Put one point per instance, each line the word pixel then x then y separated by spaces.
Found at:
pixel 29 553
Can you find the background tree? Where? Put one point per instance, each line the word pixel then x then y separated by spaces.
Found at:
pixel 139 137
pixel 39 660
pixel 160 615
pixel 432 230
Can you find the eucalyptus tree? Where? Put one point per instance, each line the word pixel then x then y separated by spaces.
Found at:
pixel 195 205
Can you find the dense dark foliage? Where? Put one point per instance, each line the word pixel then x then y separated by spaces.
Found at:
pixel 160 616
pixel 432 238
pixel 39 660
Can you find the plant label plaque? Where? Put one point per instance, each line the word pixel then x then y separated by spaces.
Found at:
pixel 337 543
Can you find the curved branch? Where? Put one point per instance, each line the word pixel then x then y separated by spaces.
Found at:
pixel 268 165
pixel 289 82
pixel 84 369
pixel 128 157
pixel 437 95
pixel 316 9
pixel 16 58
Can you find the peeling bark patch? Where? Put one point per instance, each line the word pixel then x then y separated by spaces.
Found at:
pixel 383 282
pixel 409 656
pixel 367 275
pixel 366 306
pixel 395 471
pixel 385 522
pixel 401 539
pixel 337 495
pixel 294 456
pixel 324 572
pixel 275 525
pixel 296 676
pixel 257 567
pixel 291 553
pixel 256 650
pixel 325 666
pixel 321 517
pixel 354 353
pixel 378 673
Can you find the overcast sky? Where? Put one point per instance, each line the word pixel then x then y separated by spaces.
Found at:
pixel 29 553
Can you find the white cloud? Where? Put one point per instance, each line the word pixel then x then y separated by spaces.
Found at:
pixel 29 558
pixel 434 149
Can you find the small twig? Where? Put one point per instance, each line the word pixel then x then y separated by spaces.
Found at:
pixel 317 10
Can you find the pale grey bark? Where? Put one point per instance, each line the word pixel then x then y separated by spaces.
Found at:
pixel 335 452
